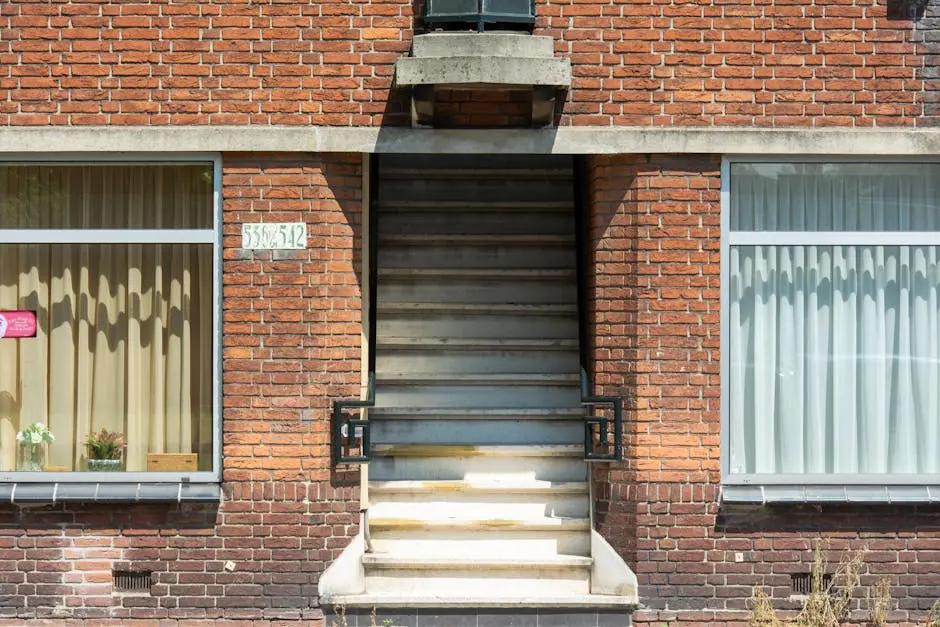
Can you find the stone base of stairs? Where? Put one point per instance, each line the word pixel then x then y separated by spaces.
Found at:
pixel 518 614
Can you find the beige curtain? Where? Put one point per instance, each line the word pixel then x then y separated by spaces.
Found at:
pixel 125 330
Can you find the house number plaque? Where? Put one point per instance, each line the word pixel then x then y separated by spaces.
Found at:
pixel 274 236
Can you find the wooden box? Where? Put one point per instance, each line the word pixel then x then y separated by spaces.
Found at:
pixel 171 462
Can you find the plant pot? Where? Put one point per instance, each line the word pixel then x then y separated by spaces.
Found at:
pixel 104 465
pixel 30 457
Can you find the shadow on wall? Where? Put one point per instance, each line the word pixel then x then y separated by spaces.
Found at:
pixel 610 231
pixel 907 9
pixel 825 519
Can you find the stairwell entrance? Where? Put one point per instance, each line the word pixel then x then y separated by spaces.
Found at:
pixel 478 490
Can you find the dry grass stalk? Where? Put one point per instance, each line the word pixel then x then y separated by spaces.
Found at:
pixel 933 619
pixel 340 620
pixel 762 611
pixel 879 603
pixel 829 601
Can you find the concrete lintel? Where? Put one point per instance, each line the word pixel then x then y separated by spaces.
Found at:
pixel 491 44
pixel 48 140
pixel 501 71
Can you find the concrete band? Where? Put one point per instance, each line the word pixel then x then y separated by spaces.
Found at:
pixel 91 139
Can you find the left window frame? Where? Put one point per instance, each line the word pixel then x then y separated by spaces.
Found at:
pixel 147 236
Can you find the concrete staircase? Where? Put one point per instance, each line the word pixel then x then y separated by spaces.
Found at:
pixel 478 492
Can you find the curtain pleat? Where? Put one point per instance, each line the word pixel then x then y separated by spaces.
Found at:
pixel 834 349
pixel 124 330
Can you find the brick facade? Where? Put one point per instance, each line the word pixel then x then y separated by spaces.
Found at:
pixel 639 63
pixel 654 311
pixel 291 331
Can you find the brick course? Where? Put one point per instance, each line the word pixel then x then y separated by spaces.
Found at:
pixel 654 312
pixel 636 62
pixel 291 343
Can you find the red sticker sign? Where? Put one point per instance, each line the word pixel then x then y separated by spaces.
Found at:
pixel 17 324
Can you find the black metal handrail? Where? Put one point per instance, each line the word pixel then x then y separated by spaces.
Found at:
pixel 597 428
pixel 347 431
pixel 602 424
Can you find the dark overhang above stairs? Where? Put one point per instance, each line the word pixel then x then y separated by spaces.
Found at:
pixel 493 60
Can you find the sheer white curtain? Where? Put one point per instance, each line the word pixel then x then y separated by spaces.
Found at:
pixel 835 349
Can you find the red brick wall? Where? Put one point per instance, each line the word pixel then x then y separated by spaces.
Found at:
pixel 156 62
pixel 654 312
pixel 291 337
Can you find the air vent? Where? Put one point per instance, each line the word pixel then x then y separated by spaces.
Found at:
pixel 127 581
pixel 802 583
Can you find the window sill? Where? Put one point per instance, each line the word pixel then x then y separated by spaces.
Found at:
pixel 870 494
pixel 109 492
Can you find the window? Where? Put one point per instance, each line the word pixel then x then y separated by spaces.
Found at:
pixel 118 262
pixel 831 323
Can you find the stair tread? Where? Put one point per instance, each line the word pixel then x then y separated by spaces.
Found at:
pixel 482 238
pixel 499 598
pixel 464 173
pixel 515 486
pixel 485 412
pixel 470 450
pixel 474 342
pixel 380 522
pixel 481 308
pixel 438 378
pixel 406 561
pixel 481 205
pixel 495 274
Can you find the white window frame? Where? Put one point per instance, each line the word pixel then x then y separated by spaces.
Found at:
pixel 211 235
pixel 808 487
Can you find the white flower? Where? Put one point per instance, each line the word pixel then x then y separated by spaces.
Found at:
pixel 19 436
pixel 35 438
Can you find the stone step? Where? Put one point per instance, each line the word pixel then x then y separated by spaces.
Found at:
pixel 510 486
pixel 488 274
pixel 468 507
pixel 476 413
pixel 457 451
pixel 477 431
pixel 491 379
pixel 478 309
pixel 485 239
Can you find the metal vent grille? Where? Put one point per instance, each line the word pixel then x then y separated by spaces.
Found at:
pixel 802 583
pixel 127 581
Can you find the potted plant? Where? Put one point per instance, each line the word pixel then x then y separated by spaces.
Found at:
pixel 105 450
pixel 31 447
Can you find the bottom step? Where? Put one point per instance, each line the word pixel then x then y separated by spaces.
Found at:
pixel 382 611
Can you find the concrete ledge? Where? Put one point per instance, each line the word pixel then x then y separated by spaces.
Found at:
pixel 46 141
pixel 492 44
pixel 466 71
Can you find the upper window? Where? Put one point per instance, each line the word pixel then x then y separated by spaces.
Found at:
pixel 116 263
pixel 831 288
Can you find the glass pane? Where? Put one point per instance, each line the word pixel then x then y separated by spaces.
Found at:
pixel 124 343
pixel 835 197
pixel 834 359
pixel 106 196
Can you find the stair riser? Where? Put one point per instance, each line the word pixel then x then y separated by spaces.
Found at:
pixel 475 222
pixel 477 468
pixel 506 190
pixel 468 507
pixel 476 325
pixel 470 256
pixel 467 544
pixel 431 431
pixel 410 395
pixel 522 291
pixel 447 361
pixel 484 583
